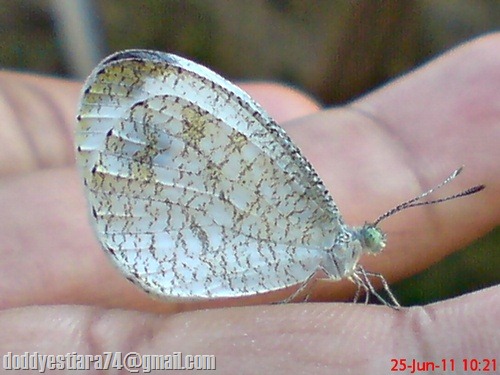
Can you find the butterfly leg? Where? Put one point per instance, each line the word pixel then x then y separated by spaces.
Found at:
pixel 362 279
pixel 360 285
pixel 304 286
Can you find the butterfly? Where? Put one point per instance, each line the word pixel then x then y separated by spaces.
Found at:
pixel 195 192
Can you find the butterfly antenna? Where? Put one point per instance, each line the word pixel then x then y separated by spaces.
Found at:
pixel 415 202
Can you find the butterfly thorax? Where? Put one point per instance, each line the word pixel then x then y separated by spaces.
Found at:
pixel 342 259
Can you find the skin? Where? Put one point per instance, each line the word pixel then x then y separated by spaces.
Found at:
pixel 59 293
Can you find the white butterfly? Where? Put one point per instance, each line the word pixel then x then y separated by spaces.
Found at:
pixel 195 192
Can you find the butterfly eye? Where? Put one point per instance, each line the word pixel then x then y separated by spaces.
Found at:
pixel 373 239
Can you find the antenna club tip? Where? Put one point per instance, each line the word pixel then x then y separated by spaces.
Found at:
pixel 475 189
pixel 458 171
pixel 415 202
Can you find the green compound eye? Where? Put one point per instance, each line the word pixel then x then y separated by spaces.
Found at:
pixel 374 239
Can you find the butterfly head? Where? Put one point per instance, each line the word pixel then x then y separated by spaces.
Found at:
pixel 372 239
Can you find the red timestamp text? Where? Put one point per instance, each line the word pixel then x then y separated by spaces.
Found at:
pixel 412 366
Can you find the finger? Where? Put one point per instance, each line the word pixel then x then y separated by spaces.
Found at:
pixel 405 138
pixel 38 118
pixel 121 294
pixel 50 253
pixel 37 123
pixel 297 105
pixel 294 338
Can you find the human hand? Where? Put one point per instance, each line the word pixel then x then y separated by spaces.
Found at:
pixel 60 294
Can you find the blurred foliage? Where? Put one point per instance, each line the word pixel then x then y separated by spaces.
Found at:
pixel 336 50
pixel 475 267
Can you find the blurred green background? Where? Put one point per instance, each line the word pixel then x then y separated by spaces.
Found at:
pixel 335 50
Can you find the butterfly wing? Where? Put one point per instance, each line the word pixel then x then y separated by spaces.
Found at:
pixel 194 191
